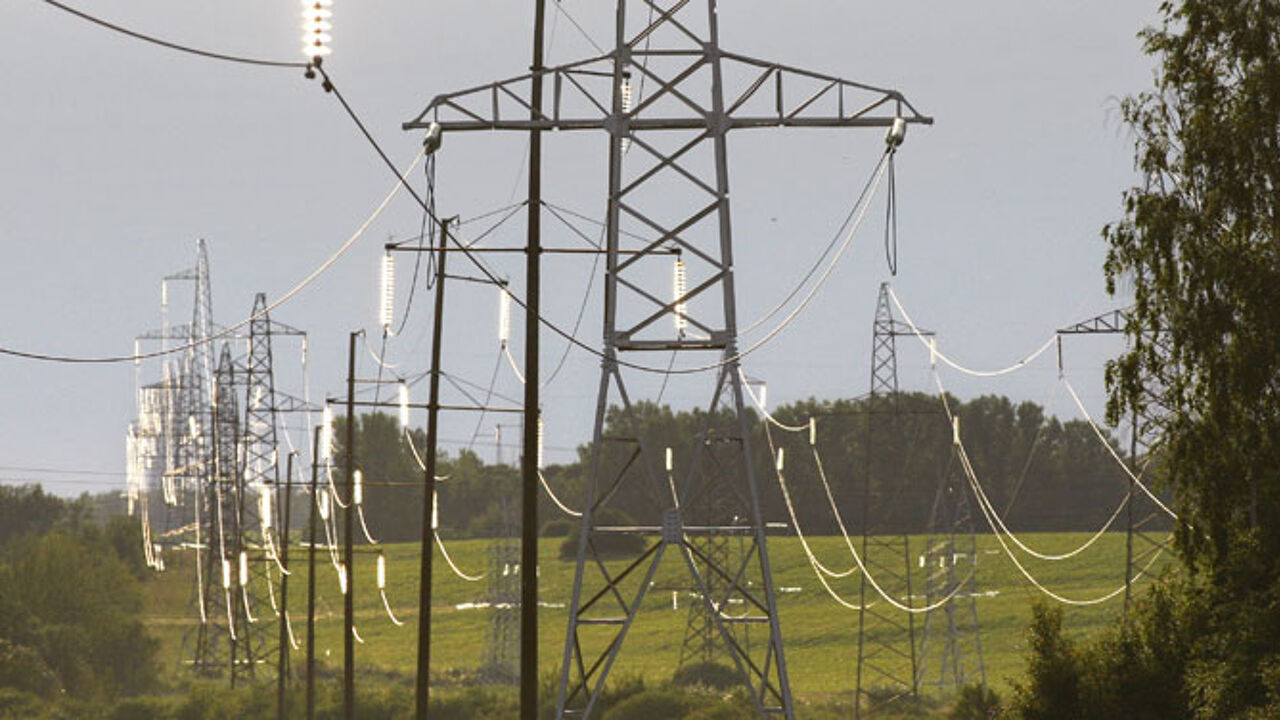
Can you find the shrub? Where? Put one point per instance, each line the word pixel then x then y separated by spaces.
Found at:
pixel 650 705
pixel 707 674
pixel 975 702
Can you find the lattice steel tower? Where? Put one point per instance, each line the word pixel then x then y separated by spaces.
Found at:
pixel 887 667
pixel 1146 534
pixel 499 660
pixel 951 648
pixel 671 191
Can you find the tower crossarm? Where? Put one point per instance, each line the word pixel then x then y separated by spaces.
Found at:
pixel 767 94
pixel 1112 321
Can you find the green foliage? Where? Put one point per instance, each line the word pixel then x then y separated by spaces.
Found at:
pixel 975 702
pixel 27 509
pixel 708 674
pixel 651 704
pixel 79 607
pixel 1051 690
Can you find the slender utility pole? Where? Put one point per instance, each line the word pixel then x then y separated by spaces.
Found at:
pixel 311 578
pixel 429 485
pixel 529 460
pixel 348 554
pixel 282 670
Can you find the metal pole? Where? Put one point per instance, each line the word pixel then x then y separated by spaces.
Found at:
pixel 423 697
pixel 311 578
pixel 282 669
pixel 529 460
pixel 348 554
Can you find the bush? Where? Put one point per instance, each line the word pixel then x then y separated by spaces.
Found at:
pixel 975 702
pixel 651 705
pixel 710 674
pixel 560 528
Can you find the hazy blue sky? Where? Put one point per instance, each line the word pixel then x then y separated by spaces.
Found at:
pixel 117 155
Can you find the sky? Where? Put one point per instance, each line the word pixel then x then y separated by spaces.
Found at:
pixel 117 155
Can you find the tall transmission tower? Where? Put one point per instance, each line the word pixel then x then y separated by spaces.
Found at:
pixel 209 436
pixel 673 190
pixel 887 664
pixel 951 649
pixel 1146 532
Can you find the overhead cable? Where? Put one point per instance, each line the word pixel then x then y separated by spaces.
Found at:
pixel 935 353
pixel 176 46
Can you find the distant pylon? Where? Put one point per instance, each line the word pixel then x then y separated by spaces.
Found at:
pixel 1147 535
pixel 499 660
pixel 887 664
pixel 951 650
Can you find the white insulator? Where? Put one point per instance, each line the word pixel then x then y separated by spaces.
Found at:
pixel 137 353
pixel 955 430
pixel 326 434
pixel 897 133
pixel 342 578
pixel 813 431
pixel 226 574
pixel 164 293
pixel 315 27
pixel 244 568
pixel 357 490
pixel 625 93
pixel 388 293
pixel 933 352
pixel 670 460
pixel 193 426
pixel 382 572
pixel 541 439
pixel 504 315
pixel 404 406
pixel 678 290
pixel 435 510
pixel 764 396
pixel 325 507
pixel 782 454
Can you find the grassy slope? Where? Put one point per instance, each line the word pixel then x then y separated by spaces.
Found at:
pixel 821 636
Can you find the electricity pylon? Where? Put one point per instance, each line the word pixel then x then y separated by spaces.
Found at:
pixel 1145 538
pixel 673 190
pixel 498 664
pixel 887 667
pixel 951 649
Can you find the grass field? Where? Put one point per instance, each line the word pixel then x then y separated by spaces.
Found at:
pixel 821 636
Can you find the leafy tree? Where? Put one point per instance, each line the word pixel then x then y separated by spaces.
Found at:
pixel 27 509
pixel 1199 246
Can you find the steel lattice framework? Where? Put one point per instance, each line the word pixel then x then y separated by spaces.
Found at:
pixel 672 191
pixel 887 667
pixel 1145 533
pixel 951 647
pixel 499 661
pixel 207 435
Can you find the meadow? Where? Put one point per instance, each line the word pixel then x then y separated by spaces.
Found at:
pixel 820 635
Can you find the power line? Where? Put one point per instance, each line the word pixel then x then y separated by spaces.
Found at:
pixel 176 46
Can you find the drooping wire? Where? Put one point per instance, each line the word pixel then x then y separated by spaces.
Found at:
pixel 992 522
pixel 230 330
pixel 934 353
pixel 453 566
pixel 176 46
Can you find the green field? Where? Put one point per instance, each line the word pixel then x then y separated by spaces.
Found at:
pixel 821 636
